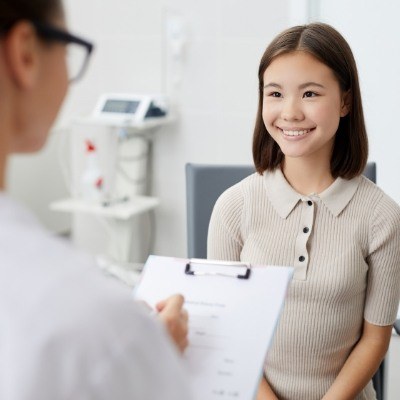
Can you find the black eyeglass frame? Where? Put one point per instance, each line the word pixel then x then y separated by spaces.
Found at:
pixel 52 33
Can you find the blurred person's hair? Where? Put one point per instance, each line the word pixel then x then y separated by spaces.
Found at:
pixel 42 11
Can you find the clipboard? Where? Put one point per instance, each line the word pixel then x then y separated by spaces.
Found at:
pixel 233 311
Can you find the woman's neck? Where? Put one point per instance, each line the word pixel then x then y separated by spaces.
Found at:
pixel 307 176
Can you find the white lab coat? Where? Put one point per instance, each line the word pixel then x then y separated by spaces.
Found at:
pixel 67 331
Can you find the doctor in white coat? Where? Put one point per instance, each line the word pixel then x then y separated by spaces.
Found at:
pixel 66 331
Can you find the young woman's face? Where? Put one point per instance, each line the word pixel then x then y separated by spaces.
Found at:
pixel 302 105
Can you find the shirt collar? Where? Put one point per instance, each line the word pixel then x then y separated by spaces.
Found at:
pixel 284 198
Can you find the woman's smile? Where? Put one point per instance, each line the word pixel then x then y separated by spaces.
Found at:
pixel 295 133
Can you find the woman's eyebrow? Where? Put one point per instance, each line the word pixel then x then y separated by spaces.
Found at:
pixel 304 85
pixel 272 84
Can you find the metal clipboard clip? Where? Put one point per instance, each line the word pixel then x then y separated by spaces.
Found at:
pixel 190 271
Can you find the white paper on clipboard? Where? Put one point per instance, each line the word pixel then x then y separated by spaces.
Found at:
pixel 231 320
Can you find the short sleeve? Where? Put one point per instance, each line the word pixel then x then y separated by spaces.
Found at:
pixel 383 287
pixel 224 240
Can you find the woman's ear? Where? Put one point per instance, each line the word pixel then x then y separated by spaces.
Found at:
pixel 21 52
pixel 346 103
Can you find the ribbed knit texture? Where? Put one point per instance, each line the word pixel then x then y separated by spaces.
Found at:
pixel 352 272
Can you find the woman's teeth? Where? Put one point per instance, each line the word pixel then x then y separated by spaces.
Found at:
pixel 296 133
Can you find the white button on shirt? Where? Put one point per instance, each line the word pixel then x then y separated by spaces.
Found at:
pixel 67 332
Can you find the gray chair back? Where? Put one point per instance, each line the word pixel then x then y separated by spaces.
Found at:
pixel 204 184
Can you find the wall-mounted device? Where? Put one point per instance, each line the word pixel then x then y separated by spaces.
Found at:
pixel 130 109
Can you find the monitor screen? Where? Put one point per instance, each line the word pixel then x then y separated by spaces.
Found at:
pixel 121 106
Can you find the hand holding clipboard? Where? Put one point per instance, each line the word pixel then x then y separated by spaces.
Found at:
pixel 233 311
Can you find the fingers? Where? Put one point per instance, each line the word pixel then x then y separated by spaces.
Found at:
pixel 173 303
pixel 185 315
pixel 175 319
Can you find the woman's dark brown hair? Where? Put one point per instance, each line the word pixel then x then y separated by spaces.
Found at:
pixel 42 11
pixel 350 150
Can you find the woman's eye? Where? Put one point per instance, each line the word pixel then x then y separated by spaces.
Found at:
pixel 275 94
pixel 309 94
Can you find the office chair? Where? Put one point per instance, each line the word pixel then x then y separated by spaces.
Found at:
pixel 204 184
pixel 396 326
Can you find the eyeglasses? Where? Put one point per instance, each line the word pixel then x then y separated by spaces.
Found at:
pixel 78 50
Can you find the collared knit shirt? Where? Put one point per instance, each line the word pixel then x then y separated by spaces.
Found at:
pixel 345 247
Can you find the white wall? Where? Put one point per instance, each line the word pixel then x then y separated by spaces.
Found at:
pixel 371 28
pixel 218 100
pixel 218 90
pixel 217 95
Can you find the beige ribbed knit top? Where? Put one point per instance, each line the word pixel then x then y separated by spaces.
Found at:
pixel 345 246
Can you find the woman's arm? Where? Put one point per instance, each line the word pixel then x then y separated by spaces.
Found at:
pixel 224 241
pixel 265 392
pixel 362 363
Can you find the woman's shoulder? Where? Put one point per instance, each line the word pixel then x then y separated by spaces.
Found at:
pixel 379 203
pixel 237 194
pixel 230 211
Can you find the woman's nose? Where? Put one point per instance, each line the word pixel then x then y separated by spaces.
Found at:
pixel 291 110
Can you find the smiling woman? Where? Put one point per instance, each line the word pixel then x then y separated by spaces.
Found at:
pixel 324 44
pixel 308 207
pixel 302 116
